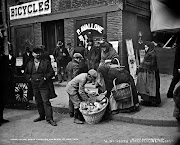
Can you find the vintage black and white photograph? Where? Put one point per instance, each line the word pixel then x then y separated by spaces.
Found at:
pixel 89 72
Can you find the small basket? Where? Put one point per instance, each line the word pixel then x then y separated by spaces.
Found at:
pixel 95 117
pixel 121 92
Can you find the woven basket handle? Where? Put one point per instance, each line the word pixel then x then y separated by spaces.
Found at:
pixel 114 84
pixel 117 61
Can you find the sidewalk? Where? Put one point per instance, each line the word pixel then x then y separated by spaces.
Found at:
pixel 156 116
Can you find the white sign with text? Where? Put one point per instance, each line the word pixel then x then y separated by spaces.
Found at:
pixel 35 8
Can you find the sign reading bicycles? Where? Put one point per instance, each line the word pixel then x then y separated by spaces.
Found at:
pixel 35 8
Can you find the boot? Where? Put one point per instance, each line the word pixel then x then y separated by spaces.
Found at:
pixel 76 115
pixel 81 117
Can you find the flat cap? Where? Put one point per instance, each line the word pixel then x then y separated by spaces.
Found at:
pixel 93 73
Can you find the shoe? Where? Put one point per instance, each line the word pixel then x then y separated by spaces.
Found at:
pixel 71 115
pixel 137 108
pixel 77 121
pixel 4 121
pixel 39 119
pixel 52 122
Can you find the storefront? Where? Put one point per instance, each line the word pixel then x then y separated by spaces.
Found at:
pixel 44 22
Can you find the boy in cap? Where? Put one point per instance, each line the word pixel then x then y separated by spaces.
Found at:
pixel 76 91
pixel 39 72
pixel 73 69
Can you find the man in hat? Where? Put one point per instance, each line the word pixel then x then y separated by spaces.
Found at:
pixel 76 91
pixel 39 71
pixel 61 56
pixel 73 69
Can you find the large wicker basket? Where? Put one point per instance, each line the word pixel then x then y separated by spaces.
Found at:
pixel 95 117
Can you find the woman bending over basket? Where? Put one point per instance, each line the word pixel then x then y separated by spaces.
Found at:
pixel 109 74
pixel 76 91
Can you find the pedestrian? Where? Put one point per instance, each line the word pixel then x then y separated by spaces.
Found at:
pixel 73 69
pixel 4 83
pixel 27 56
pixel 108 74
pixel 82 50
pixel 39 71
pixel 93 55
pixel 176 72
pixel 61 56
pixel 76 91
pixel 148 79
pixel 108 53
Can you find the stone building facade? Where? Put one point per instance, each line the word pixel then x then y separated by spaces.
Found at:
pixel 78 20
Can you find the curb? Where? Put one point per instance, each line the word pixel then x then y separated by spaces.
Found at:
pixel 128 119
pixel 116 117
pixel 167 123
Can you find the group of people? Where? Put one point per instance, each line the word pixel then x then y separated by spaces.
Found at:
pixel 81 65
pixel 102 74
pixel 147 86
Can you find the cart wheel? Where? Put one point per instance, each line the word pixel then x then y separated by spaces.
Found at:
pixel 21 90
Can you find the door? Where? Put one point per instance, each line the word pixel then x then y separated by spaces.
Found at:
pixel 52 32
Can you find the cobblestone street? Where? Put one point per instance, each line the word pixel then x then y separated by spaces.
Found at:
pixel 21 130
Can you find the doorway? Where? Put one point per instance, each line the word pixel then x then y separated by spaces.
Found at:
pixel 52 32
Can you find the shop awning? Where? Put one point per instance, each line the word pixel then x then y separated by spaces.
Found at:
pixel 163 17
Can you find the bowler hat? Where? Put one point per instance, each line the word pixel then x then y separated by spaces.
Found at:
pixel 37 50
pixel 77 55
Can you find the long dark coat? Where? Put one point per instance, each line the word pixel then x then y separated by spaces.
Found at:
pixel 46 70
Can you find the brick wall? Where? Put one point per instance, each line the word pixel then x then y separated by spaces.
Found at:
pixel 114 29
pixel 62 5
pixel 37 34
pixel 69 31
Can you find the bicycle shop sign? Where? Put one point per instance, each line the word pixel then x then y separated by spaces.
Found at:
pixel 30 9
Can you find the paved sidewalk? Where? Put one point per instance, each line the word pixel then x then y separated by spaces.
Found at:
pixel 156 116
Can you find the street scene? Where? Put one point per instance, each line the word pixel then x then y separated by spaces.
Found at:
pixel 89 72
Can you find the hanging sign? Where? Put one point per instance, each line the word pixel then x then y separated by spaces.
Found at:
pixel 131 59
pixel 115 45
pixel 19 61
pixel 31 9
